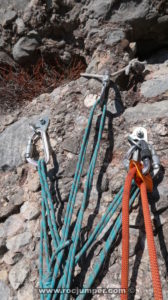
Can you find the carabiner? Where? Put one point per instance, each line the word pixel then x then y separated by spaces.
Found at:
pixel 39 130
pixel 141 150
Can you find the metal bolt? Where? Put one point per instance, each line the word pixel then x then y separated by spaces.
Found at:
pixel 140 134
pixel 42 121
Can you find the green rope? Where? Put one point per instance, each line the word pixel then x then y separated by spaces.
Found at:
pixel 69 267
pixel 112 208
pixel 45 281
pixel 56 264
pixel 105 250
pixel 72 196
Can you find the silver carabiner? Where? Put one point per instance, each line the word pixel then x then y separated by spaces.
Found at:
pixel 138 139
pixel 39 130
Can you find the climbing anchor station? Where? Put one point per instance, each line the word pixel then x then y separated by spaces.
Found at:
pixel 59 247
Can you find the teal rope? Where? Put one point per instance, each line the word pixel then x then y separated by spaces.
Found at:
pixel 101 226
pixel 62 246
pixel 105 250
pixel 48 194
pixel 55 260
pixel 45 279
pixel 44 228
pixel 112 208
pixel 69 267
pixel 73 193
pixel 96 232
pixel 41 262
pixel 44 198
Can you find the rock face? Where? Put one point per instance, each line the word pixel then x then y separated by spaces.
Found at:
pixel 143 19
pixel 147 111
pixel 18 4
pixel 30 210
pixel 155 87
pixel 6 59
pixel 99 9
pixel 114 37
pixel 131 11
pixel 13 142
pixel 13 225
pixel 18 241
pixel 25 49
pixel 20 26
pixel 18 274
pixel 4 291
pixel 108 35
pixel 9 17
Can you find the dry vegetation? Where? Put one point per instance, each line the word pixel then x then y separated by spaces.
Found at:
pixel 20 85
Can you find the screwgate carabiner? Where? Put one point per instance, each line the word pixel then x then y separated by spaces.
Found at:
pixel 141 150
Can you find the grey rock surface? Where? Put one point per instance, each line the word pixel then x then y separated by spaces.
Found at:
pixel 13 142
pixel 20 25
pixel 30 210
pixel 7 210
pixel 114 37
pixel 27 292
pixel 2 239
pixel 6 59
pixel 107 35
pixel 154 87
pixel 11 258
pixel 147 111
pixel 4 291
pixel 18 4
pixel 18 241
pixel 9 17
pixel 25 49
pixel 71 145
pixel 18 274
pixel 13 225
pixel 99 9
pixel 130 11
pixel 14 137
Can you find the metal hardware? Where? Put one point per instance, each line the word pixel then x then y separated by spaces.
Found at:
pixel 155 161
pixel 106 81
pixel 139 138
pixel 39 130
pixel 133 65
pixel 141 150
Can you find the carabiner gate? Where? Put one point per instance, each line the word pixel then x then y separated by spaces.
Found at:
pixel 40 129
pixel 141 150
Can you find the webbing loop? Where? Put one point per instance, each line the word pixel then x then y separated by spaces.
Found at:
pixel 139 177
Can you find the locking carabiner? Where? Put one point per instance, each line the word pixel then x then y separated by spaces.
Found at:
pixel 141 150
pixel 39 130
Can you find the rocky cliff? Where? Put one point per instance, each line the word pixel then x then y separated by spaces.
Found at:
pixel 77 35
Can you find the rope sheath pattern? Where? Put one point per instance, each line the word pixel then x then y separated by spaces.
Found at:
pixel 125 232
pixel 56 269
pixel 151 245
pixel 149 234
pixel 46 275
